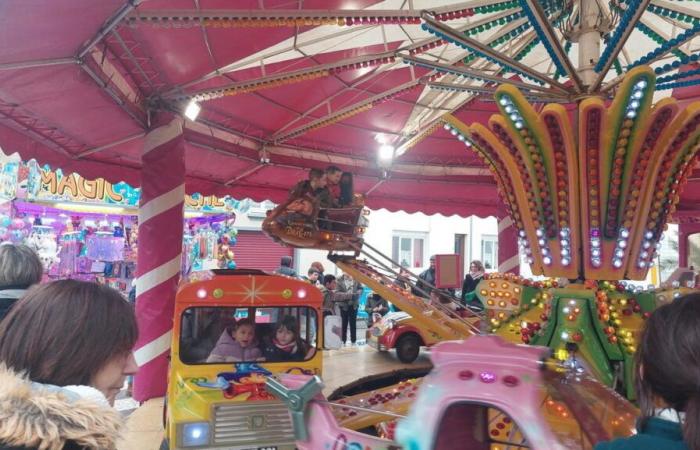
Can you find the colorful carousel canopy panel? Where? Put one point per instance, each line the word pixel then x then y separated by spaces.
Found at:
pixel 591 207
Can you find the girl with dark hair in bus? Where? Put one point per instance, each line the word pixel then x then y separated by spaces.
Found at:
pixel 65 351
pixel 286 343
pixel 668 380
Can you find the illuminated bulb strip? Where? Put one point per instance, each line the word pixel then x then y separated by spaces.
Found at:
pixel 427 27
pixel 491 158
pixel 311 20
pixel 418 138
pixel 622 147
pixel 592 142
pixel 619 252
pixel 328 121
pixel 561 177
pixel 303 18
pixel 565 243
pixel 258 86
pixel 337 117
pixel 663 178
pixel 512 114
pixel 284 79
pixel 425 47
pixel 666 205
pixel 632 198
pixel 505 139
pixel 495 165
pixel 524 246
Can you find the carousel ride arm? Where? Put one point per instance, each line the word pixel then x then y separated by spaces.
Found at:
pixel 309 411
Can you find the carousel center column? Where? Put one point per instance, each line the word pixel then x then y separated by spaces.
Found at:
pixel 161 218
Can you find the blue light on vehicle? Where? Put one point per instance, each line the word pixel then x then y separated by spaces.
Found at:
pixel 195 434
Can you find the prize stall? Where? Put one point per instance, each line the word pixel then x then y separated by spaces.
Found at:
pixel 88 229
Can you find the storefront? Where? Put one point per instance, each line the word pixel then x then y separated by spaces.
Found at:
pixel 88 229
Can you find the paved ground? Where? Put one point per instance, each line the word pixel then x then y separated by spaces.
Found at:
pixel 340 367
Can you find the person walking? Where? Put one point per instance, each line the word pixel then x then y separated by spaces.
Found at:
pixel 65 350
pixel 20 268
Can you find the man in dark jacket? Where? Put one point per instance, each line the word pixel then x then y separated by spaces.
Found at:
pixel 313 186
pixel 331 297
pixel 424 279
pixel 285 267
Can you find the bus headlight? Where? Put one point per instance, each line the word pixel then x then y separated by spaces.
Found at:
pixel 195 434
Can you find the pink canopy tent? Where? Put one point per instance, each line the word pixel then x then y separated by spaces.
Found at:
pixel 284 86
pixel 76 79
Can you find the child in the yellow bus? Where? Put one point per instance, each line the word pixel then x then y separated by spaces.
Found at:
pixel 238 345
pixel 286 343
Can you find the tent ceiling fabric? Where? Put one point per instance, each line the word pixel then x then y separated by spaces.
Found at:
pixel 303 83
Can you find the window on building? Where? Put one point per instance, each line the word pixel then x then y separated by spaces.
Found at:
pixel 408 249
pixel 461 247
pixel 694 250
pixel 489 251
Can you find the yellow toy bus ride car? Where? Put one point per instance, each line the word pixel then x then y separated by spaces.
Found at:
pixel 232 330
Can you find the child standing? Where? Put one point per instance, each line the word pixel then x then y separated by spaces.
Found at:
pixel 239 345
pixel 668 380
pixel 286 344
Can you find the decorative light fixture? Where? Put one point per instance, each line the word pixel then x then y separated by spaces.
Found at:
pixel 386 153
pixel 192 110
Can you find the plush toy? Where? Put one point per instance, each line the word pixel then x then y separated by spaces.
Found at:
pixel 46 247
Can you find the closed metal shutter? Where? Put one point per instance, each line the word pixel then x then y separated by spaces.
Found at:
pixel 254 250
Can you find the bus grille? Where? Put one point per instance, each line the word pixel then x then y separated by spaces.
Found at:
pixel 253 423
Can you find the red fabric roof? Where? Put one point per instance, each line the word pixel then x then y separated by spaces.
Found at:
pixel 89 117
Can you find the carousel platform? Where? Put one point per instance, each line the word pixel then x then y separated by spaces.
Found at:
pixel 144 430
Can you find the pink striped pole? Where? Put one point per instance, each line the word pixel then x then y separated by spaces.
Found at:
pixel 160 248
pixel 508 253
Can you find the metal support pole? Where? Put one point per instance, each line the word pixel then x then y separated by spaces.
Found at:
pixel 589 42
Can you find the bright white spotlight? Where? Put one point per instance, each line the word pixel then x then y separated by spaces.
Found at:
pixel 192 110
pixel 379 137
pixel 386 153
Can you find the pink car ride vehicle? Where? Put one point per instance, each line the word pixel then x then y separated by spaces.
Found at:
pixel 482 394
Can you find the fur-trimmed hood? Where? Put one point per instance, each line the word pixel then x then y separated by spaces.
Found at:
pixel 46 417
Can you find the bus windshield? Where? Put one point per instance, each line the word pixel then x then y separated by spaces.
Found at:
pixel 215 335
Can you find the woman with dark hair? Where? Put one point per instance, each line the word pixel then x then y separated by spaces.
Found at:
pixel 475 275
pixel 668 380
pixel 20 268
pixel 65 351
pixel 347 193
